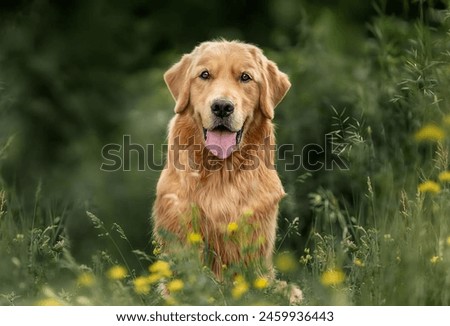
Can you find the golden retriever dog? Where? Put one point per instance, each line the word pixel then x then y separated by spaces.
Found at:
pixel 219 180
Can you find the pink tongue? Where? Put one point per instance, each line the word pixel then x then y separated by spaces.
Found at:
pixel 221 143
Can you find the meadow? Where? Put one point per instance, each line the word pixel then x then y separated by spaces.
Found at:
pixel 375 78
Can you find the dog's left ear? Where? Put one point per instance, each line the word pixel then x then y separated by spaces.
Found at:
pixel 178 82
pixel 273 88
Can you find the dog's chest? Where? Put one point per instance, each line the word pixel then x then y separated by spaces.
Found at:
pixel 228 200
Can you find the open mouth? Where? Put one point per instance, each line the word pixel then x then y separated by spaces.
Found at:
pixel 221 141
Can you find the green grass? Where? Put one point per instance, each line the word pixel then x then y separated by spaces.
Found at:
pixel 374 238
pixel 403 260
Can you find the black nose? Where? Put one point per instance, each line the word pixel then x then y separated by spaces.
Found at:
pixel 222 108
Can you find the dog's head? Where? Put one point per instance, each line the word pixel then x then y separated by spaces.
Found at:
pixel 226 84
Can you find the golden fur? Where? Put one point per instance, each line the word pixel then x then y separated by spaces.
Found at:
pixel 197 192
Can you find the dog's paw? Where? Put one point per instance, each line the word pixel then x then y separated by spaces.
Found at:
pixel 292 291
pixel 295 295
pixel 163 290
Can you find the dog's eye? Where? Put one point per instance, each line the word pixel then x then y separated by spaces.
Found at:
pixel 204 75
pixel 245 78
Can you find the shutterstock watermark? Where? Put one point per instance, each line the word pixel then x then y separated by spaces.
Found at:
pixel 129 156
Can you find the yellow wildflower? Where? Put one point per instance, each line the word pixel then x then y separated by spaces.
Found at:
pixel 285 263
pixel 48 302
pixel 332 277
pixel 161 268
pixel 86 279
pixel 232 227
pixel 261 283
pixel 141 285
pixel 239 290
pixel 175 285
pixel 430 132
pixel 429 186
pixel 153 278
pixel 448 241
pixel 116 272
pixel 240 287
pixel 358 262
pixel 194 238
pixel 238 279
pixel 435 259
pixel 444 176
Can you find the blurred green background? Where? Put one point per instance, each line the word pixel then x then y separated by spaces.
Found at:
pixel 77 75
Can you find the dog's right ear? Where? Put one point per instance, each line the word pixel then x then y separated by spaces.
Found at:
pixel 178 81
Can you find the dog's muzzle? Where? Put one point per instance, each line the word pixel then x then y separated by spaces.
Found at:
pixel 222 139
